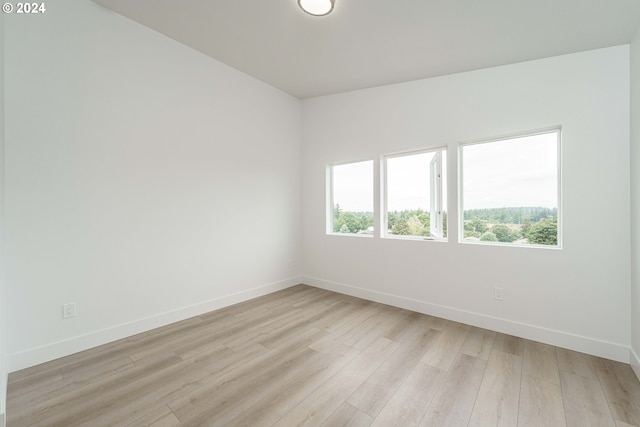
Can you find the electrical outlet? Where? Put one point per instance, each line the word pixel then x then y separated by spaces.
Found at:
pixel 68 310
pixel 498 293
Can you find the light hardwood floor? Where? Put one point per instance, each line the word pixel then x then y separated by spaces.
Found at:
pixel 306 356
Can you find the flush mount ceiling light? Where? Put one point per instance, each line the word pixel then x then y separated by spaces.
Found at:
pixel 316 7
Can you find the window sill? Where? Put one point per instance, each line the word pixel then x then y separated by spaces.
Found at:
pixel 366 236
pixel 509 245
pixel 414 238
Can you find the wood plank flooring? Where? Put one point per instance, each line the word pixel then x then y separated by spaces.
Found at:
pixel 306 356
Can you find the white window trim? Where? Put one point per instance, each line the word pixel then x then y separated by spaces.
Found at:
pixel 329 201
pixel 435 181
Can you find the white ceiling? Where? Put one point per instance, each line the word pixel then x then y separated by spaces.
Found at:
pixel 366 43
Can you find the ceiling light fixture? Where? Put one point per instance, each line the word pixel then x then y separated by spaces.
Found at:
pixel 316 7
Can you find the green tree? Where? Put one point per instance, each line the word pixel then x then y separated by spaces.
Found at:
pixel 367 220
pixel 401 228
pixel 475 227
pixel 503 233
pixel 479 225
pixel 425 219
pixel 445 225
pixel 544 232
pixel 415 226
pixel 344 228
pixel 469 231
pixel 353 223
pixel 526 226
pixel 488 236
pixel 392 219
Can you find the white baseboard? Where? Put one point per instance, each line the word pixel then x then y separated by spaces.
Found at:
pixel 635 362
pixel 3 389
pixel 600 348
pixel 35 356
pixel 570 341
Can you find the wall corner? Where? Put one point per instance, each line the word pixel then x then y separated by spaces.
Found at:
pixel 635 202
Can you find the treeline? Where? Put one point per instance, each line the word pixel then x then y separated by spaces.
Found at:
pixel 511 215
pixel 543 232
pixel 412 223
pixel 352 222
pixel 526 225
pixel 409 222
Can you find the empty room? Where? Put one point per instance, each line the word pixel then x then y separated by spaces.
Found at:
pixel 320 213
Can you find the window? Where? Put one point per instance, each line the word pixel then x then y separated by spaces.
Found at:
pixel 510 190
pixel 351 198
pixel 415 195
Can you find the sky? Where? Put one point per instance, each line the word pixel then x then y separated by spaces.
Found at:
pixel 509 173
pixel 353 186
pixel 408 181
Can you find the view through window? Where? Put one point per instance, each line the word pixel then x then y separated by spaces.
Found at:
pixel 510 190
pixel 351 198
pixel 416 195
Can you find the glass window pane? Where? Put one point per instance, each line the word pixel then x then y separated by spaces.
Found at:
pixel 352 198
pixel 510 190
pixel 414 198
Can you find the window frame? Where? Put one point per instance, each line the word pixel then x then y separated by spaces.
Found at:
pixel 330 202
pixel 384 196
pixel 460 193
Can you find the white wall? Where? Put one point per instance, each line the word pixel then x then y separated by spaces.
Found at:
pixel 144 181
pixel 3 323
pixel 576 297
pixel 635 204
